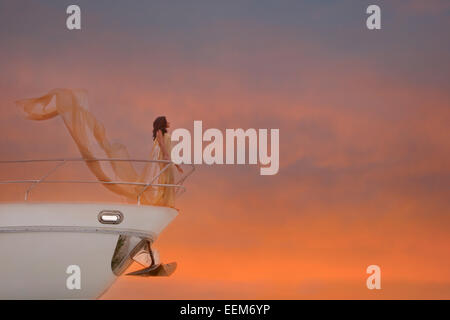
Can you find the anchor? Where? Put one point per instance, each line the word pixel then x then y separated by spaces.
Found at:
pixel 149 258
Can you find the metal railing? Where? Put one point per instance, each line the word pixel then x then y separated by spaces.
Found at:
pixel 62 161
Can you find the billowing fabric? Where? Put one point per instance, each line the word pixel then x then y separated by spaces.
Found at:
pixel 90 137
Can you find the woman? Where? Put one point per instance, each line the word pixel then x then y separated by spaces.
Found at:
pixel 162 147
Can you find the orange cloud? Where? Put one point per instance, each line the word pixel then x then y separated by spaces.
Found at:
pixel 364 164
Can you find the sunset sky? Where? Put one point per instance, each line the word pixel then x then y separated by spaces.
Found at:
pixel 363 116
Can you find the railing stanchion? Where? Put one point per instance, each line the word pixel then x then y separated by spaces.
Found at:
pixel 43 178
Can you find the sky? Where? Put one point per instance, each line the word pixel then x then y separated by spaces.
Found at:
pixel 364 142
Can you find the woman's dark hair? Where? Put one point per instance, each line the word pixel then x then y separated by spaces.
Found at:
pixel 160 123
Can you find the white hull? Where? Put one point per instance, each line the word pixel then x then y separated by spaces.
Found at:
pixel 39 241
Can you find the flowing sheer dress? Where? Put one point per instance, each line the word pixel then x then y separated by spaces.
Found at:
pixel 90 137
pixel 164 196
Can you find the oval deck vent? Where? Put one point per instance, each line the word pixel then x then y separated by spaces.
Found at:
pixel 110 217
